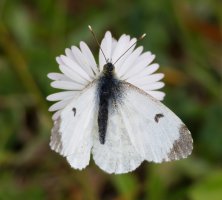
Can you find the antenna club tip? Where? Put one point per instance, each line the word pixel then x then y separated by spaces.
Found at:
pixel 90 28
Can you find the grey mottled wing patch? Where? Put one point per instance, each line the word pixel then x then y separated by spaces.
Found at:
pixel 55 139
pixel 183 146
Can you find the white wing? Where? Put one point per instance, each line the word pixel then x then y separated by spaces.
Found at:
pixel 141 128
pixel 73 130
pixel 157 133
pixel 117 155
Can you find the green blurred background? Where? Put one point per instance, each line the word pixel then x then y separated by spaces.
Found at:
pixel 186 37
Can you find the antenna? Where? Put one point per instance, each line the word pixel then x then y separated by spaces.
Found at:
pixel 140 38
pixel 94 36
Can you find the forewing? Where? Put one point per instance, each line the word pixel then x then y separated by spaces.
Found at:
pixel 73 130
pixel 154 130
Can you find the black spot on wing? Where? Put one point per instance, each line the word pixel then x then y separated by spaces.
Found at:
pixel 157 117
pixel 183 146
pixel 74 111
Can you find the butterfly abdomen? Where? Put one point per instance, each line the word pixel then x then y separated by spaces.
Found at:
pixel 109 92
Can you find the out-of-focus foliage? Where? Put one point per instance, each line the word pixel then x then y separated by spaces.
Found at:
pixel 186 37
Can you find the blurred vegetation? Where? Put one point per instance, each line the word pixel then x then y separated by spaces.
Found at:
pixel 186 37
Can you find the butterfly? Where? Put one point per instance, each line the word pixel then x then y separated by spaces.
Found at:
pixel 112 110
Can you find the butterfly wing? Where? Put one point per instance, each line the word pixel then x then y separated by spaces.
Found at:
pixel 158 134
pixel 73 130
pixel 118 154
pixel 141 128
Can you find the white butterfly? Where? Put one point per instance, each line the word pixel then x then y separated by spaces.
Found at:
pixel 113 110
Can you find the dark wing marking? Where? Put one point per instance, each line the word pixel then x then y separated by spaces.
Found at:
pixel 55 139
pixel 74 111
pixel 157 117
pixel 183 146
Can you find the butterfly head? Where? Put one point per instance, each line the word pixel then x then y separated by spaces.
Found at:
pixel 108 68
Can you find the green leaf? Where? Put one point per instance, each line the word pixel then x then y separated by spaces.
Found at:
pixel 127 185
pixel 208 188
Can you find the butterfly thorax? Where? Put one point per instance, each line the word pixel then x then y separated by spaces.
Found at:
pixel 109 94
